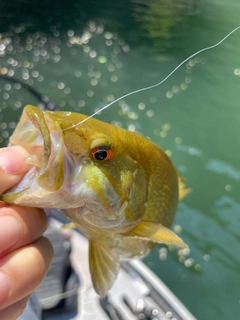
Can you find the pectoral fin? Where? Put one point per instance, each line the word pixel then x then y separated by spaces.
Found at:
pixel 104 267
pixel 155 232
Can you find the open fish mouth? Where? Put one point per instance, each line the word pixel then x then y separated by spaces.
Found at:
pixel 56 173
pixel 42 137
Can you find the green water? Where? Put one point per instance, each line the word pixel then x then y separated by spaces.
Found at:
pixel 85 54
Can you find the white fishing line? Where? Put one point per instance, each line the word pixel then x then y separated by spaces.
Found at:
pixel 157 84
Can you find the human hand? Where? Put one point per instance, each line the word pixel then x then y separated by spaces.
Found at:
pixel 25 256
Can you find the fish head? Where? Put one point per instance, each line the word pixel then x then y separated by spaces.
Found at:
pixel 82 166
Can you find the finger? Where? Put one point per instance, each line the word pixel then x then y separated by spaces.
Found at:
pixel 14 311
pixel 12 166
pixel 20 226
pixel 21 271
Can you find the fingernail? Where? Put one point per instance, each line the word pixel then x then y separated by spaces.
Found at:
pixel 11 160
pixel 4 154
pixel 10 233
pixel 5 286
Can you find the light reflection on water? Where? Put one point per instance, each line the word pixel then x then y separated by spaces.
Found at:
pixel 194 116
pixel 222 167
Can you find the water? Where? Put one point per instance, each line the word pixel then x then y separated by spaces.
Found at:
pixel 83 55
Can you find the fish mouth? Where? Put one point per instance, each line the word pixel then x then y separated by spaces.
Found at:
pixel 51 165
pixel 54 169
pixel 43 138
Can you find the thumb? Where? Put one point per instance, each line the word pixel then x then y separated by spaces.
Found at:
pixel 12 166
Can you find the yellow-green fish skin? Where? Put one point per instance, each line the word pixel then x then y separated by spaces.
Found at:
pixel 124 204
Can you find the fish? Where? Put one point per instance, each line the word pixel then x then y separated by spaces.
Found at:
pixel 117 187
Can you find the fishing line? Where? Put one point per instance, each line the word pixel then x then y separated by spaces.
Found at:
pixel 157 84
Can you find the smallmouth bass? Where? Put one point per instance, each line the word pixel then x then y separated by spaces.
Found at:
pixel 120 189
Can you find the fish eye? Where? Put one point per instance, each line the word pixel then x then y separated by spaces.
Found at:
pixel 102 153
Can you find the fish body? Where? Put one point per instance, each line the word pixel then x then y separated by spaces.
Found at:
pixel 120 189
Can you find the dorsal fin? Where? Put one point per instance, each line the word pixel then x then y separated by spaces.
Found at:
pixel 104 267
pixel 182 190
